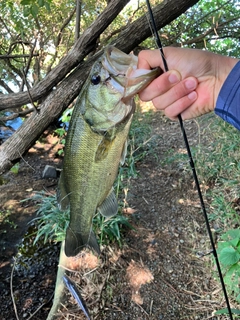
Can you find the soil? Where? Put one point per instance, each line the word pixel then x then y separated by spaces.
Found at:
pixel 162 270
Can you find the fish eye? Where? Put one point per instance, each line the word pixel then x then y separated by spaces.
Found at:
pixel 95 79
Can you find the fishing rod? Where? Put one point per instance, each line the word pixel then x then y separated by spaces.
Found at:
pixel 159 44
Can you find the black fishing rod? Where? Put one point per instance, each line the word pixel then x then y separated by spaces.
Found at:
pixel 159 44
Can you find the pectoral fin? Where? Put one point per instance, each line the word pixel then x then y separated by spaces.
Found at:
pixel 102 150
pixel 75 242
pixel 109 207
pixel 124 153
pixel 62 196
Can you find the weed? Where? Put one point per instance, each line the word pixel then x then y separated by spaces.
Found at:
pixel 53 223
pixel 5 219
pixel 229 257
pixel 111 229
pixel 61 132
pixel 15 168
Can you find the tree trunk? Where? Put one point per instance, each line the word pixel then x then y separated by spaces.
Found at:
pixel 68 89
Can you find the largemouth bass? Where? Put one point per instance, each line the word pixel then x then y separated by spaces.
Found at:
pixel 96 143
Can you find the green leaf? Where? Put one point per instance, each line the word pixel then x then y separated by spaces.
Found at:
pixel 232 234
pixel 229 256
pixel 25 2
pixel 234 242
pixel 34 10
pixel 47 6
pixel 225 311
pixel 41 3
pixel 26 11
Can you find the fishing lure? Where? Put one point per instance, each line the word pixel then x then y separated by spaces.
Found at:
pixel 159 44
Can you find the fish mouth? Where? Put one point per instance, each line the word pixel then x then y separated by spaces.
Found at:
pixel 124 75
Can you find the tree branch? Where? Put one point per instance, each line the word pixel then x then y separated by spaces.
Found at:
pixel 14 56
pixel 82 47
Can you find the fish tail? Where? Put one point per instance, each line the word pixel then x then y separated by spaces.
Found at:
pixel 75 242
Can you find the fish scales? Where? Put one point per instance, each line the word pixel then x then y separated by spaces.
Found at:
pixel 96 144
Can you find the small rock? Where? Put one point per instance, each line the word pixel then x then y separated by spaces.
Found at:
pixel 49 172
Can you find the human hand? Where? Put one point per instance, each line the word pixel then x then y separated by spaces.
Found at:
pixel 192 84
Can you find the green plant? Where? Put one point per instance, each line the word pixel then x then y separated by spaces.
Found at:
pixel 52 223
pixel 110 230
pixel 225 311
pixel 15 168
pixel 229 257
pixel 61 132
pixel 5 219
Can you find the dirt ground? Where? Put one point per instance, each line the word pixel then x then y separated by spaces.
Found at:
pixel 161 272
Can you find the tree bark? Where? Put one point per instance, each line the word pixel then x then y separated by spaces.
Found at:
pixel 85 44
pixel 60 98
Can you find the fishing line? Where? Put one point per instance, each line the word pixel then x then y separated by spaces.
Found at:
pixel 159 44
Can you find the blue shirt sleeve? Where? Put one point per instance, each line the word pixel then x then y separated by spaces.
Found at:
pixel 228 101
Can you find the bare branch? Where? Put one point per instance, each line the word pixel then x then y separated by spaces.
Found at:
pixel 78 19
pixel 16 115
pixel 211 30
pixel 65 23
pixel 5 86
pixel 28 91
pixel 15 56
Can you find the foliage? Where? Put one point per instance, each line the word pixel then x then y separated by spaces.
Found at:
pixel 210 24
pixel 35 35
pixel 15 168
pixel 61 132
pixel 52 223
pixel 110 230
pixel 225 311
pixel 5 219
pixel 32 7
pixel 229 257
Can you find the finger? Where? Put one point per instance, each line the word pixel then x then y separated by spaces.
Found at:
pixel 148 59
pixel 160 85
pixel 177 92
pixel 181 106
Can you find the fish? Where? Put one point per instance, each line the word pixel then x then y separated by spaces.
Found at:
pixel 76 294
pixel 96 144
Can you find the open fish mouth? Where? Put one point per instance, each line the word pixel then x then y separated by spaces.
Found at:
pixel 123 73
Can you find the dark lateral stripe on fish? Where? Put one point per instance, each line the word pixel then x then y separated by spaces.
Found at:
pixel 76 294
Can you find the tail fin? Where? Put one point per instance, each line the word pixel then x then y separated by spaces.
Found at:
pixel 75 242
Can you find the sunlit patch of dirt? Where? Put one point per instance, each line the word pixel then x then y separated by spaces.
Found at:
pixel 138 275
pixel 85 260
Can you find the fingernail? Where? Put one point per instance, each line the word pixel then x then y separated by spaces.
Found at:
pixel 190 84
pixel 192 95
pixel 173 78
